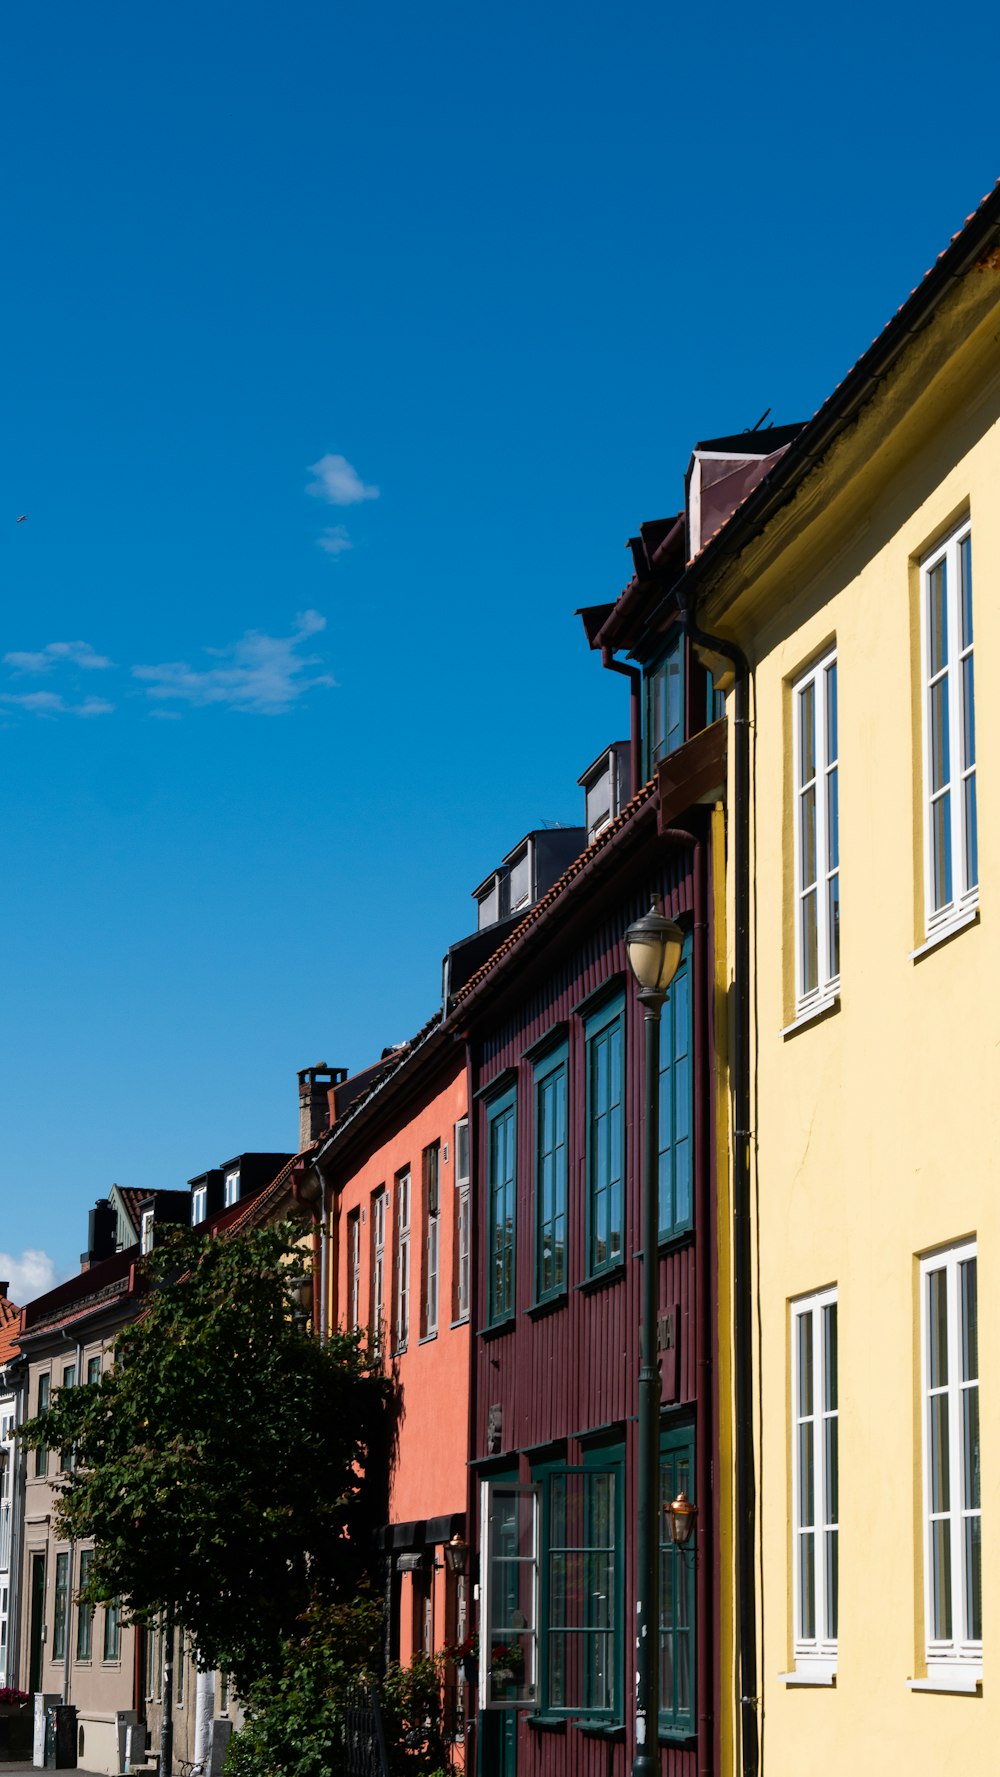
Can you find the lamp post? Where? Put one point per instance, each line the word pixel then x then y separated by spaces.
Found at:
pixel 654 951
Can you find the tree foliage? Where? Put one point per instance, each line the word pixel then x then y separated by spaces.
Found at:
pixel 295 1715
pixel 228 1469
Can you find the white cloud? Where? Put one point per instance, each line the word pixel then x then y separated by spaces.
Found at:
pixel 335 539
pixel 28 1276
pixel 261 674
pixel 49 703
pixel 55 654
pixel 336 481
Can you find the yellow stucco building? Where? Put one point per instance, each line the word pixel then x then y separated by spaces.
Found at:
pixel 861 582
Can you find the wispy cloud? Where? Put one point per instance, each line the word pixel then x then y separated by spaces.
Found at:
pixel 335 539
pixel 57 654
pixel 49 703
pixel 28 1275
pixel 336 481
pixel 262 674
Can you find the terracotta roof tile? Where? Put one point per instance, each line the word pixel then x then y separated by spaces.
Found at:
pixel 10 1325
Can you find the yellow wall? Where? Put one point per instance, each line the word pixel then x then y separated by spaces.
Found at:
pixel 877 1126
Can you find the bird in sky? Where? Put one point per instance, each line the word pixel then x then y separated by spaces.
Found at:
pixel 22 518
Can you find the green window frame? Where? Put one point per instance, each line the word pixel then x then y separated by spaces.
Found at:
pixel 84 1611
pixel 664 705
pixel 676 1102
pixel 605 1048
pixel 581 1646
pixel 677 1589
pixel 113 1630
pixel 60 1606
pixel 551 1082
pixel 501 1218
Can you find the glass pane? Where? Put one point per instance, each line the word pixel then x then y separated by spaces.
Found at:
pixel 941 1580
pixel 973 1580
pixel 809 943
pixel 831 713
pixel 830 1356
pixel 807 732
pixel 941 850
pixel 803 1323
pixel 807 1478
pixel 832 1582
pixel 971 833
pixel 833 818
pixel 937 616
pixel 970 1448
pixel 937 1320
pixel 684 1674
pixel 940 1476
pixel 807 1587
pixel 965 572
pixel 807 837
pixel 830 1469
pixel 968 713
pixel 940 736
pixel 970 1320
pixel 833 922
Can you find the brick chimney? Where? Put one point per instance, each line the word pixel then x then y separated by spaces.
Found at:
pixel 315 1086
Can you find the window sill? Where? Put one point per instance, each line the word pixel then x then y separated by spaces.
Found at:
pixel 679 1737
pixel 811 1672
pixel 538 1310
pixel 497 1327
pixel 600 1730
pixel 427 1338
pixel 961 1680
pixel 462 1321
pixel 941 933
pixel 813 1013
pixel 548 1724
pixel 602 1279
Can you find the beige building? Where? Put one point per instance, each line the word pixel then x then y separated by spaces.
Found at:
pixel 861 580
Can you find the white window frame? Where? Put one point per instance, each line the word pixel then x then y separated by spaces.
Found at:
pixel 403 1181
pixel 354 1269
pixel 823 783
pixel 232 1189
pixel 964 892
pixel 463 1209
pixel 961 1649
pixel 378 1268
pixel 146 1231
pixel 199 1204
pixel 820 1649
pixel 527 1634
pixel 432 1239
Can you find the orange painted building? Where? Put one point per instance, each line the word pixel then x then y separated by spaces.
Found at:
pixel 394 1166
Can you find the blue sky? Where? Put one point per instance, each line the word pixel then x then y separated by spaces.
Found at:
pixel 345 346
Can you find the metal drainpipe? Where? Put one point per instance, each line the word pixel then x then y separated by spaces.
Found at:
pixel 634 676
pixel 746 1491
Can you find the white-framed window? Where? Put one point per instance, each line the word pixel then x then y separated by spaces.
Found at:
pixel 815 1476
pixel 199 1204
pixel 146 1231
pixel 354 1268
pixel 378 1269
pixel 232 1189
pixel 509 1595
pixel 951 845
pixel 402 1259
pixel 817 834
pixel 432 1240
pixel 949 1340
pixel 462 1221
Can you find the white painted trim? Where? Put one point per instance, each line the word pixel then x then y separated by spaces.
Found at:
pixel 816 677
pixel 964 1679
pixel 811 1672
pixel 968 917
pixel 812 1012
pixel 946 551
pixel 819 1650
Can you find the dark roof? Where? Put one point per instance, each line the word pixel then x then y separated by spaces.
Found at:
pixel 754 444
pixel 86 1293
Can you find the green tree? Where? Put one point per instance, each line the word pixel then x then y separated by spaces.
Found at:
pixel 229 1470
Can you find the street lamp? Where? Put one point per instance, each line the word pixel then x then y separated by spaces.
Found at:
pixel 680 1515
pixel 654 951
pixel 456 1554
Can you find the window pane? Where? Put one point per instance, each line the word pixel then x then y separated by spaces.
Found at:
pixel 832 748
pixel 971 833
pixel 803 1324
pixel 941 850
pixel 809 943
pixel 970 1321
pixel 937 616
pixel 970 1448
pixel 937 1306
pixel 807 1478
pixel 830 1470
pixel 807 732
pixel 807 836
pixel 973 1580
pixel 941 1579
pixel 968 714
pixel 833 818
pixel 940 736
pixel 832 1578
pixel 965 571
pixel 940 1476
pixel 807 1587
pixel 830 1356
pixel 833 923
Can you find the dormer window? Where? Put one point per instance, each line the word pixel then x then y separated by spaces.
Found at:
pixel 520 878
pixel 490 899
pixel 665 705
pixel 604 785
pixel 146 1231
pixel 232 1189
pixel 199 1204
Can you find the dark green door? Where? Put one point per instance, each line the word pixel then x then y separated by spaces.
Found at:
pixel 37 1623
pixel 498 1743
